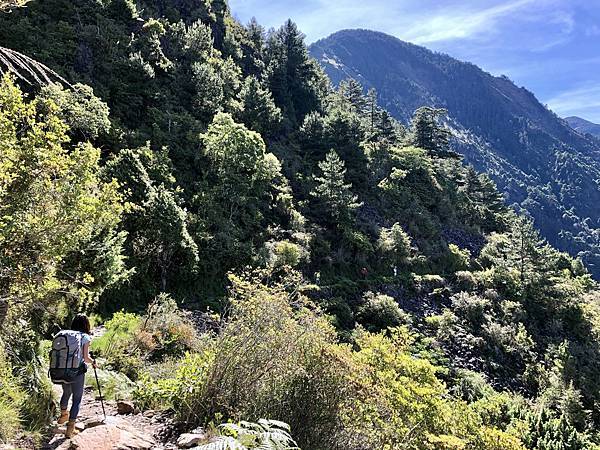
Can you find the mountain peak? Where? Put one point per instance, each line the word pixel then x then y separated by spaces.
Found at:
pixel 583 126
pixel 500 128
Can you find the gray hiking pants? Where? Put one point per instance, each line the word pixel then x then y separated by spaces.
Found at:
pixel 76 390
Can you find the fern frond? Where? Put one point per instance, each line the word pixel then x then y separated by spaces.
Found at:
pixel 223 443
pixel 8 5
pixel 268 424
pixel 264 435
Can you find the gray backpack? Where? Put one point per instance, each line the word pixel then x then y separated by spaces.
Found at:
pixel 66 357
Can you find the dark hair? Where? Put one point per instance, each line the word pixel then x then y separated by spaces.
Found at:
pixel 81 323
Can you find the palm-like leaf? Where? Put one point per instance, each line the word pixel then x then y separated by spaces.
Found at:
pixel 264 435
pixel 7 5
pixel 27 69
pixel 223 443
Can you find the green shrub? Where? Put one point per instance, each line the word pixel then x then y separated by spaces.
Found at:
pixel 395 244
pixel 114 385
pixel 117 345
pixel 471 308
pixel 11 399
pixel 39 408
pixel 270 360
pixel 175 390
pixel 286 254
pixel 471 386
pixel 277 357
pixel 166 329
pixel 457 259
pixel 131 341
pixel 380 311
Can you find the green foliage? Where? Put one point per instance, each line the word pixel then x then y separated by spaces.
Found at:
pixel 259 112
pixel 236 198
pixel 426 133
pixel 11 398
pixel 130 340
pixel 285 253
pixel 84 113
pixel 266 434
pixel 114 385
pixel 379 312
pixel 58 217
pixel 332 195
pixel 296 81
pixel 159 244
pixel 395 244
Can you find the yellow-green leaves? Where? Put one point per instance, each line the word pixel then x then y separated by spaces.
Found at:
pixel 52 205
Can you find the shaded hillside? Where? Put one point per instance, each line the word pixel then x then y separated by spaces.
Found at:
pixel 535 157
pixel 583 126
pixel 350 276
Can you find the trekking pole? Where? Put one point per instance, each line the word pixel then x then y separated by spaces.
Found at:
pixel 99 389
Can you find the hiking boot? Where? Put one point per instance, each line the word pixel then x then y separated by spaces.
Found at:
pixel 71 431
pixel 64 417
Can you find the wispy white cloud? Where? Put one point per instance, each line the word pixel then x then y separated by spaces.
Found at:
pixel 549 46
pixel 580 101
pixel 463 24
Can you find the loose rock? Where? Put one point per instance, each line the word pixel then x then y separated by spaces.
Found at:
pixel 188 440
pixel 93 422
pixel 124 407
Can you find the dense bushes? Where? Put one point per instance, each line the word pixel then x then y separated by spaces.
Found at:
pixel 11 398
pixel 277 357
pixel 130 341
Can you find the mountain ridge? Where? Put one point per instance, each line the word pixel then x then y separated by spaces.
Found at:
pixel 583 126
pixel 539 162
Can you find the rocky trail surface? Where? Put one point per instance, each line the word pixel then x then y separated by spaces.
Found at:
pixel 123 428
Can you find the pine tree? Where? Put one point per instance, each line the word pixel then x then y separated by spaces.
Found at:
pixel 253 59
pixel 386 127
pixel 527 249
pixel 297 82
pixel 256 35
pixel 395 244
pixel 198 41
pixel 428 134
pixel 259 112
pixel 352 90
pixel 372 110
pixel 332 195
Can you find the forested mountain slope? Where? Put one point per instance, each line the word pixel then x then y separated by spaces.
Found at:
pixel 583 126
pixel 535 157
pixel 348 275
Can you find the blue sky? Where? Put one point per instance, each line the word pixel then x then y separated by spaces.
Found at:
pixel 552 47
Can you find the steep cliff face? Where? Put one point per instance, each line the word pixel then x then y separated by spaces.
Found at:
pixel 540 162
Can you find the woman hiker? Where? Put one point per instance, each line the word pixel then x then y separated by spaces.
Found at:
pixel 80 328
